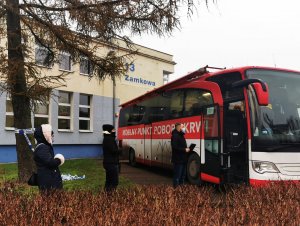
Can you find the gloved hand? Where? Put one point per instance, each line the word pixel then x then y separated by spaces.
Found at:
pixel 61 158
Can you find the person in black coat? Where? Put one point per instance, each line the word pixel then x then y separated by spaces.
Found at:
pixel 110 157
pixel 47 163
pixel 179 154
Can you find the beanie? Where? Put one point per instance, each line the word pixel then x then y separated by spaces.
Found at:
pixel 107 127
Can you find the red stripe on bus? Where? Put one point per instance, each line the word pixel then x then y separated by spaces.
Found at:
pixel 147 162
pixel 139 160
pixel 144 161
pixel 210 178
pixel 161 130
pixel 259 183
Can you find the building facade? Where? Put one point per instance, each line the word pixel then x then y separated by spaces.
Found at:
pixel 78 110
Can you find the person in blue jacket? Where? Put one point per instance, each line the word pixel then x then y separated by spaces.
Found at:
pixel 48 174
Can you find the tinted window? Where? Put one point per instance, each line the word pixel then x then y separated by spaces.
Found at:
pixel 132 115
pixel 136 114
pixel 176 103
pixel 124 116
pixel 195 99
pixel 157 108
pixel 168 105
pixel 225 81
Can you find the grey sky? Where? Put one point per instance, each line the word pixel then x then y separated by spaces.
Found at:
pixel 235 33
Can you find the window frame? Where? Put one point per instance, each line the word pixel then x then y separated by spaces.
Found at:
pixel 70 118
pixel 10 113
pixel 65 54
pixel 41 115
pixel 85 118
pixel 38 46
pixel 89 66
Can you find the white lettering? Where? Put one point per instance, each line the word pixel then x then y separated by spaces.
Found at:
pixel 186 125
pixel 198 126
pixel 168 129
pixel 192 127
pixel 163 129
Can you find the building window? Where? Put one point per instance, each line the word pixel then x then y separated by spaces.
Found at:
pixel 64 110
pixel 86 67
pixel 42 55
pixel 166 76
pixel 85 112
pixel 41 113
pixel 65 61
pixel 9 115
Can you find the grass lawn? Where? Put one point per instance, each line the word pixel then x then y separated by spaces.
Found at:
pixel 91 168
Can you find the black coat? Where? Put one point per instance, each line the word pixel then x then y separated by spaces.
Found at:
pixel 49 176
pixel 179 145
pixel 110 149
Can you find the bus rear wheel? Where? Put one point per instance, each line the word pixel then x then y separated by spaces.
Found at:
pixel 132 161
pixel 193 169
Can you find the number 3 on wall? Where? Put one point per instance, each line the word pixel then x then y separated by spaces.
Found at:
pixel 131 67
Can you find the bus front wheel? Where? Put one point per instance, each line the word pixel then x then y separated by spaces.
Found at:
pixel 132 161
pixel 193 169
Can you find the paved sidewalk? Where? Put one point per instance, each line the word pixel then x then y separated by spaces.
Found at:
pixel 146 175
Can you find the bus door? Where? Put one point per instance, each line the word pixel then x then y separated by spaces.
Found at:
pixel 235 142
pixel 211 145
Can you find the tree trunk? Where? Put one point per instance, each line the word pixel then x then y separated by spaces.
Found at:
pixel 18 88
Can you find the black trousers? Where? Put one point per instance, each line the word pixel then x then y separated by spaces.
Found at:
pixel 112 176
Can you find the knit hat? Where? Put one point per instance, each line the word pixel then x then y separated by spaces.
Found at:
pixel 107 128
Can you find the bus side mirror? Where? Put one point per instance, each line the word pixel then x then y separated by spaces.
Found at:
pixel 260 88
pixel 262 94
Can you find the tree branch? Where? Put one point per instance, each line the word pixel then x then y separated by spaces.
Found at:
pixel 80 6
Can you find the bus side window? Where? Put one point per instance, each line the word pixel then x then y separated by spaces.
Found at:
pixel 136 115
pixel 225 81
pixel 195 99
pixel 124 116
pixel 176 104
pixel 156 114
pixel 157 108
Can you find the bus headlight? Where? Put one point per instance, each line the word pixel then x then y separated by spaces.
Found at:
pixel 264 167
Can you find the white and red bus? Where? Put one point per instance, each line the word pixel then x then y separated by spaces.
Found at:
pixel 245 123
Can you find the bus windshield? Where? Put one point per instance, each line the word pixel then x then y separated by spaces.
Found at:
pixel 276 127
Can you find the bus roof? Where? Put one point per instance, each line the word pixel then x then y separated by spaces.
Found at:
pixel 202 73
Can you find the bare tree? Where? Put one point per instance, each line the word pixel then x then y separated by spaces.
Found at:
pixel 79 27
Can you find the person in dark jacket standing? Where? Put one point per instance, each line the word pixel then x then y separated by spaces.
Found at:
pixel 110 157
pixel 179 154
pixel 47 163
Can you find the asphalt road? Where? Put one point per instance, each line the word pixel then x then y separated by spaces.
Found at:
pixel 144 175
